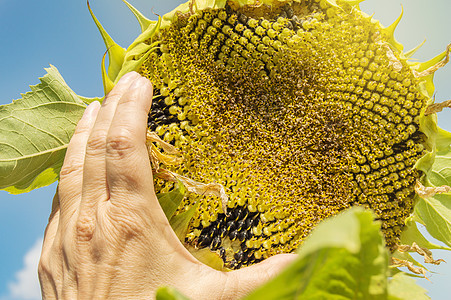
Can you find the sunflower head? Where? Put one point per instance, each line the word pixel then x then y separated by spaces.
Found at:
pixel 297 109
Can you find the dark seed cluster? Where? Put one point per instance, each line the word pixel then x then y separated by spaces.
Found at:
pixel 234 227
pixel 159 113
pixel 298 110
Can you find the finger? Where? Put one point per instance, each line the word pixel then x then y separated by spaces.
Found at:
pixel 47 262
pixel 245 280
pixel 94 173
pixel 71 175
pixel 52 226
pixel 128 165
pixel 55 204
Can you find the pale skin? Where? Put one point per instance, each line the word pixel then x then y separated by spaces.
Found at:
pixel 107 236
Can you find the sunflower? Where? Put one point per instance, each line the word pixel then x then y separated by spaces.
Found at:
pixel 280 114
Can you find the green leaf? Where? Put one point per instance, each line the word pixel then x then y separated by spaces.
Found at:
pixel 441 170
pixel 88 100
pixel 435 212
pixel 343 258
pixel 169 293
pixel 170 201
pixel 403 287
pixel 208 257
pixel 443 141
pixel 35 132
pixel 180 222
pixel 412 234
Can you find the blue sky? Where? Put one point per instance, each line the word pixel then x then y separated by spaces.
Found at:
pixel 34 34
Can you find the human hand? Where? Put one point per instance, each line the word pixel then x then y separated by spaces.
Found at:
pixel 107 235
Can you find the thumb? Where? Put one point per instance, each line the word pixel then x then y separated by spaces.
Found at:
pixel 245 280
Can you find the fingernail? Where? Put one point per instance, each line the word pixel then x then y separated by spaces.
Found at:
pixel 138 84
pixel 144 87
pixel 148 88
pixel 141 83
pixel 91 111
pixel 128 77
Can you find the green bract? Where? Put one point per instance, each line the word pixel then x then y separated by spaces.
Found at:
pixel 268 117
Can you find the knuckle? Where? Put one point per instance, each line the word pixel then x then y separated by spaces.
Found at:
pixel 45 264
pixel 43 267
pixel 120 142
pixel 84 228
pixel 115 94
pixel 128 99
pixel 69 169
pixel 80 130
pixel 95 143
